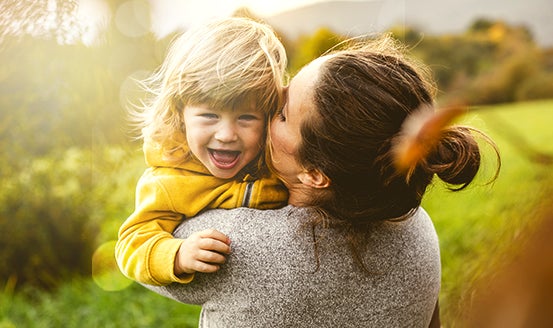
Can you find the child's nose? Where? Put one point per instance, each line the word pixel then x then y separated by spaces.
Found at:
pixel 226 133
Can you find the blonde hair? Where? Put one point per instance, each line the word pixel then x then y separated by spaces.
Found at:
pixel 224 63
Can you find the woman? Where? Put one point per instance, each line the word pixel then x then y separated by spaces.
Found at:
pixel 353 248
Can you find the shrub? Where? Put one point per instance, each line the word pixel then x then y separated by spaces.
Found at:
pixel 502 83
pixel 538 87
pixel 44 232
pixel 52 214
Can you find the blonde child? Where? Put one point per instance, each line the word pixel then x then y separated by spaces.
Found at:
pixel 204 134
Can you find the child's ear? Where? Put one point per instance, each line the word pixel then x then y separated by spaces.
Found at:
pixel 314 178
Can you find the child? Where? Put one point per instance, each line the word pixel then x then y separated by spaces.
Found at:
pixel 203 137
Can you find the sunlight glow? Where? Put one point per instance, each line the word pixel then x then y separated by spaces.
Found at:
pixel 105 272
pixel 94 15
pixel 170 14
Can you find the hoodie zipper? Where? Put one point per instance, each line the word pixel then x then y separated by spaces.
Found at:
pixel 247 194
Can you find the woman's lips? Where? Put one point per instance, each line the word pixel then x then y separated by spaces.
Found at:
pixel 224 159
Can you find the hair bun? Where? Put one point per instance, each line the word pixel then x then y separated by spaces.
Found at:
pixel 455 158
pixel 420 133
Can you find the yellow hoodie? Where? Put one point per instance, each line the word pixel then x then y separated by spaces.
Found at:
pixel 168 193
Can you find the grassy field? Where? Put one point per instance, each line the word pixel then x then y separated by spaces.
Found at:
pixel 483 227
pixel 479 228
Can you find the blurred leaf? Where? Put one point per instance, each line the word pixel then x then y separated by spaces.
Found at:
pixel 52 19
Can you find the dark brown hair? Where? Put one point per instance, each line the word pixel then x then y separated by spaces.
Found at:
pixel 362 98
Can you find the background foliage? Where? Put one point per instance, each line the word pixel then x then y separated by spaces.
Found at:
pixel 70 165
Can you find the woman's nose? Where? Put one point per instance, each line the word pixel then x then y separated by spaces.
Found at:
pixel 226 133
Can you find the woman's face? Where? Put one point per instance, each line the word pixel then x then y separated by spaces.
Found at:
pixel 285 135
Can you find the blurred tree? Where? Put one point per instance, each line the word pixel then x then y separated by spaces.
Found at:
pixel 517 64
pixel 491 62
pixel 59 209
pixel 61 104
pixel 308 48
pixel 502 83
pixel 45 234
pixel 55 96
pixel 408 35
pixel 480 25
pixel 51 19
pixel 500 32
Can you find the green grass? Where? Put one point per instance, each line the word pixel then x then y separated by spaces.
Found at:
pixel 84 304
pixel 483 227
pixel 479 228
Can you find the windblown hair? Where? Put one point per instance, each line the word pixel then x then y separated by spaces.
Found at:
pixel 225 63
pixel 362 97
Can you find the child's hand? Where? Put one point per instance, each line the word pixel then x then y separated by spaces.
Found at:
pixel 202 252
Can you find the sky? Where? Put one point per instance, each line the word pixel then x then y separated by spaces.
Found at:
pixel 207 7
pixel 169 13
pixel 166 15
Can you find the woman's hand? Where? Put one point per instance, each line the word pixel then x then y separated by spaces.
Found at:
pixel 203 251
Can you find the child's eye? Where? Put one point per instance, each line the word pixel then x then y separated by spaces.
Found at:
pixel 248 117
pixel 209 116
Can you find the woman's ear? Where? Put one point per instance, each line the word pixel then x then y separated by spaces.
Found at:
pixel 314 178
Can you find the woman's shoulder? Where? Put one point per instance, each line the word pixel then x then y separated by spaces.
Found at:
pixel 415 232
pixel 414 247
pixel 244 219
pixel 421 229
pixel 416 224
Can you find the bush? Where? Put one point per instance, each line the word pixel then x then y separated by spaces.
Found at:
pixel 502 84
pixel 538 87
pixel 45 234
pixel 52 213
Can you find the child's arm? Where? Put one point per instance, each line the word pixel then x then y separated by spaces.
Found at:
pixel 146 250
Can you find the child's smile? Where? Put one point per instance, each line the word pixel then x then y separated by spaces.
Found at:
pixel 224 159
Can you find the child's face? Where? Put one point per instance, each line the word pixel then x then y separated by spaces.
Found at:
pixel 224 140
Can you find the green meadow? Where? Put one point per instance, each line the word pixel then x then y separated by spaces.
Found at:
pixel 484 227
pixel 480 229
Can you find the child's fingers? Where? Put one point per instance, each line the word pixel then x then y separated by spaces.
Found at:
pixel 210 257
pixel 191 258
pixel 209 244
pixel 213 240
pixel 214 234
pixel 206 261
pixel 204 267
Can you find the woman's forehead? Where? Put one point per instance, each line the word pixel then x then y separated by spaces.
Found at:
pixel 312 68
pixel 307 76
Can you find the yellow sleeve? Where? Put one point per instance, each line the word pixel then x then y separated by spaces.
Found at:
pixel 146 250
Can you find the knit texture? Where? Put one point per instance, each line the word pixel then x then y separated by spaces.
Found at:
pixel 276 277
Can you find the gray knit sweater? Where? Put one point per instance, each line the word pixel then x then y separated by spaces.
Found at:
pixel 273 277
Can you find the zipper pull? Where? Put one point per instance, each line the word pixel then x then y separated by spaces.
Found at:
pixel 247 194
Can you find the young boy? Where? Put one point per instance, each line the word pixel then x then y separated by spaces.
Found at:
pixel 204 135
